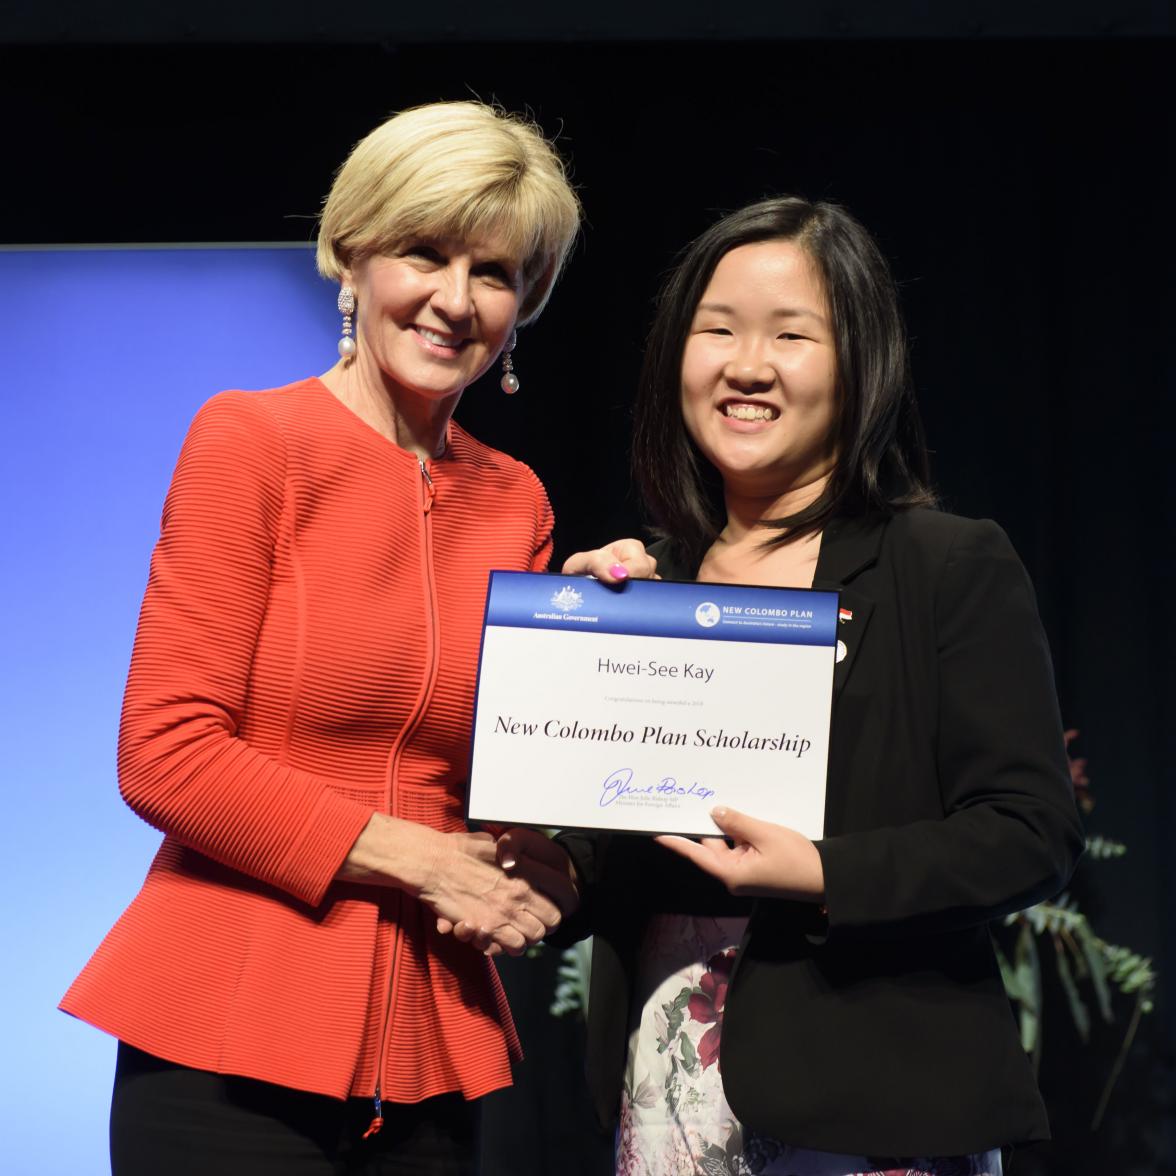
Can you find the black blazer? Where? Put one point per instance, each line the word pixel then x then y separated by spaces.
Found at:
pixel 886 1029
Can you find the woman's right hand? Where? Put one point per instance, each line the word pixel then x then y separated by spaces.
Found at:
pixel 456 875
pixel 469 887
pixel 542 863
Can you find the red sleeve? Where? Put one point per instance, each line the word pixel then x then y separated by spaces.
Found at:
pixel 544 530
pixel 181 764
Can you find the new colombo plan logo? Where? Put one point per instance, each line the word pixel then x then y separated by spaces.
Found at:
pixel 707 614
pixel 567 599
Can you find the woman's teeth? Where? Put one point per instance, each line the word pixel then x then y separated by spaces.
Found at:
pixel 751 412
pixel 437 338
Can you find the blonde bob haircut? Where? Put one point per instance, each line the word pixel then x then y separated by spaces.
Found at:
pixel 458 170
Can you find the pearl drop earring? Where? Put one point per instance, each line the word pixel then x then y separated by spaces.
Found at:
pixel 509 382
pixel 346 304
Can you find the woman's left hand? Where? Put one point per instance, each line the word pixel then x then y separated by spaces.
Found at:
pixel 614 563
pixel 767 860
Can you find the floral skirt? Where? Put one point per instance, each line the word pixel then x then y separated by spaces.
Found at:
pixel 675 1120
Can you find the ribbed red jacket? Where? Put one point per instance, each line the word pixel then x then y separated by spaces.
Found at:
pixel 305 656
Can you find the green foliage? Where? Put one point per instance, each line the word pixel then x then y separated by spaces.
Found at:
pixel 1100 848
pixel 1082 958
pixel 1089 970
pixel 571 984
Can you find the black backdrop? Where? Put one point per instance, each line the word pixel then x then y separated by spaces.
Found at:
pixel 1023 191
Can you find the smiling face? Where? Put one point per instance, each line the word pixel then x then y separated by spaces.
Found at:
pixel 432 316
pixel 759 371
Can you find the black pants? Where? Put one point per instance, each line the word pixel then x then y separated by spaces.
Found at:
pixel 169 1119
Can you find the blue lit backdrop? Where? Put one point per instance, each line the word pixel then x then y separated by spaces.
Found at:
pixel 109 353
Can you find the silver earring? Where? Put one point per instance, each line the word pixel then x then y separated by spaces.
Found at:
pixel 346 304
pixel 509 382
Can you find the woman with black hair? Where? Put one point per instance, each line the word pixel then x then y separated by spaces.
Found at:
pixel 780 1005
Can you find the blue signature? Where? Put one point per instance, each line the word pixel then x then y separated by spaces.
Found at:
pixel 620 783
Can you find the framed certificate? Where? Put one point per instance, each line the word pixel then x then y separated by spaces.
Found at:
pixel 644 707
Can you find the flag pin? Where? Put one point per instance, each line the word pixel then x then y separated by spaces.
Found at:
pixel 844 614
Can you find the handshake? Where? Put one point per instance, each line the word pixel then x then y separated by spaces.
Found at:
pixel 502 893
pixel 498 893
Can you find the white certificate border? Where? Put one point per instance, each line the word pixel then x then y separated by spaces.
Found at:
pixel 723 585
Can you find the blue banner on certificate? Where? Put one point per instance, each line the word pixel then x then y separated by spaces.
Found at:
pixel 643 708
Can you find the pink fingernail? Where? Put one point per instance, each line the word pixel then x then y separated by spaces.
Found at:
pixel 619 572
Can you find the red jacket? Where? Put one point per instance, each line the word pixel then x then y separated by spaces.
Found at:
pixel 305 656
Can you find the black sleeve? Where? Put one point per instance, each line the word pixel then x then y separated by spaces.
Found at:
pixel 582 849
pixel 1010 835
pixel 625 877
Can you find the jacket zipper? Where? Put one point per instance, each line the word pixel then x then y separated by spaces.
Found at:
pixel 428 492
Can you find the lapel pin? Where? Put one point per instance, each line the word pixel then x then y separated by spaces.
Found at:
pixel 844 614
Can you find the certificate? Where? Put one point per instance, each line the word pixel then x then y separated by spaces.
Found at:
pixel 641 709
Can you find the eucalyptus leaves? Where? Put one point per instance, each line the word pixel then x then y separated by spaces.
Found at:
pixel 1089 969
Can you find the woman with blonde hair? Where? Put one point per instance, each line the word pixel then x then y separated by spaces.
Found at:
pixel 296 719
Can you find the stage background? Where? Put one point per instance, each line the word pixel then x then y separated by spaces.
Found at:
pixel 92 426
pixel 1022 189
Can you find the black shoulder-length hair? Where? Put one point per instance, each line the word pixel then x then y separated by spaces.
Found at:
pixel 882 460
